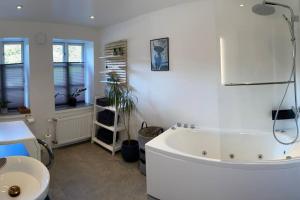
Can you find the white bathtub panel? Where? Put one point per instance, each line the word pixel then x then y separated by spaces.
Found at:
pixel 168 177
pixel 177 179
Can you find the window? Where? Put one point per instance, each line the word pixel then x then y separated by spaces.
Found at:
pixel 68 59
pixel 12 73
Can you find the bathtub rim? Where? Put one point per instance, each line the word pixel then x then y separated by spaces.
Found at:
pixel 259 165
pixel 170 152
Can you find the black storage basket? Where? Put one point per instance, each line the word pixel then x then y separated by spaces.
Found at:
pixel 106 117
pixel 102 102
pixel 106 136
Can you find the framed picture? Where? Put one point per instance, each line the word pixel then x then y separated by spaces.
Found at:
pixel 159 49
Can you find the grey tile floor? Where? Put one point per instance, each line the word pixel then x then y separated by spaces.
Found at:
pixel 88 172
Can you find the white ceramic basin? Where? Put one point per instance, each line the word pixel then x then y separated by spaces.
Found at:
pixel 27 173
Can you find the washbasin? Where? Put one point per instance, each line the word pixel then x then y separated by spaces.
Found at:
pixel 23 178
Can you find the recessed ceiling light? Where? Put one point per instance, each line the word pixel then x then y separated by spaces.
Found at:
pixel 19 7
pixel 92 17
pixel 242 5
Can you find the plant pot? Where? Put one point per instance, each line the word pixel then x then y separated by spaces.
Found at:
pixel 72 102
pixel 4 111
pixel 130 151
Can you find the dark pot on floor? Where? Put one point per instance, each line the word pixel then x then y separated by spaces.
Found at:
pixel 130 150
pixel 72 102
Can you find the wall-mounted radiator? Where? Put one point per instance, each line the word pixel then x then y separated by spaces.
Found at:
pixel 72 129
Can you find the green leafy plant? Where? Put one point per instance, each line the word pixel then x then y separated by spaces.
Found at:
pixel 115 90
pixel 128 101
pixel 4 104
pixel 121 97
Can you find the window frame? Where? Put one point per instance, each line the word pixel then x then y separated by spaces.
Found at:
pixel 2 63
pixel 66 61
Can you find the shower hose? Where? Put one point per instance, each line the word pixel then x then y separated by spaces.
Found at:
pixel 291 78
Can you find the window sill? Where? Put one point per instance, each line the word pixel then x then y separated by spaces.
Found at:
pixel 13 116
pixel 67 109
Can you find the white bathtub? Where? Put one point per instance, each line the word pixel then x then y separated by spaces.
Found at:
pixel 194 164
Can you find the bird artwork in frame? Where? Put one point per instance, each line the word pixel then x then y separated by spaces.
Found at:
pixel 159 49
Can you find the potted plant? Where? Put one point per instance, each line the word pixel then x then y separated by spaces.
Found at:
pixel 3 106
pixel 130 147
pixel 72 101
pixel 122 98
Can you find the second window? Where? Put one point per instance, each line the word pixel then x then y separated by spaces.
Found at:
pixel 68 64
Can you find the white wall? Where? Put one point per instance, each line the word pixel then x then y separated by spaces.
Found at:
pixel 191 91
pixel 41 72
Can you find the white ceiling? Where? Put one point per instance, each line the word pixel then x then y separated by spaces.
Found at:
pixel 106 12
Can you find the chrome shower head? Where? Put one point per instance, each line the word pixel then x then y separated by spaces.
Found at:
pixel 263 9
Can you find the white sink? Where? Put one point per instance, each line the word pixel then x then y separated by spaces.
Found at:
pixel 29 174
